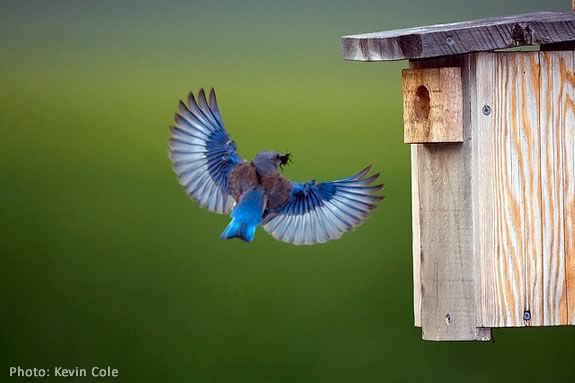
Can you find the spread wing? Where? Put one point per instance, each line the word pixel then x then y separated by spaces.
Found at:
pixel 319 212
pixel 202 152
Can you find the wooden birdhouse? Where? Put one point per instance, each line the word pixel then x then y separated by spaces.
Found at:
pixel 492 137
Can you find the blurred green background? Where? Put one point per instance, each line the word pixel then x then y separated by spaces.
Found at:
pixel 105 260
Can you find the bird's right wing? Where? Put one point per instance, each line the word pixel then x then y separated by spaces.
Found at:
pixel 202 153
pixel 319 212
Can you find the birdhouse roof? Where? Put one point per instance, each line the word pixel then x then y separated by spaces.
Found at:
pixel 463 37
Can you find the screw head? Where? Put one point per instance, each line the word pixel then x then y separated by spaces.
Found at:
pixel 527 315
pixel 449 40
pixel 486 110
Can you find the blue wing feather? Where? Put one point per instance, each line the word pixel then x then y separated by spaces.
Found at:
pixel 319 212
pixel 202 152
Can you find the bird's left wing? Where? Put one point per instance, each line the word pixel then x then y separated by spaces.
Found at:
pixel 319 212
pixel 202 152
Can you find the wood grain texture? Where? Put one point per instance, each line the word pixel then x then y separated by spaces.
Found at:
pixel 512 220
pixel 528 132
pixel 556 101
pixel 432 105
pixel 447 300
pixel 483 185
pixel 524 187
pixel 494 216
pixel 416 235
pixel 446 264
pixel 569 192
pixel 459 38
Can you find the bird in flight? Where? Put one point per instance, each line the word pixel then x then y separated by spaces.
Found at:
pixel 255 192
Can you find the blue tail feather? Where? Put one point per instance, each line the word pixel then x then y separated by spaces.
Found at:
pixel 239 229
pixel 246 216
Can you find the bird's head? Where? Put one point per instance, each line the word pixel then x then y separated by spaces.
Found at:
pixel 267 163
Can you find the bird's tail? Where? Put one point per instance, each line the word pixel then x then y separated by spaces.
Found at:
pixel 239 229
pixel 246 216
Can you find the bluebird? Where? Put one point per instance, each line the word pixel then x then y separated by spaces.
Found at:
pixel 254 193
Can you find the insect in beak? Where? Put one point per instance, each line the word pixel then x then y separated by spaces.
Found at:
pixel 285 160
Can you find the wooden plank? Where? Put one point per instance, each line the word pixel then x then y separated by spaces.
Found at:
pixel 432 103
pixel 448 301
pixel 556 91
pixel 510 198
pixel 530 178
pixel 471 108
pixel 483 185
pixel 508 259
pixel 447 271
pixel 459 38
pixel 569 193
pixel 416 246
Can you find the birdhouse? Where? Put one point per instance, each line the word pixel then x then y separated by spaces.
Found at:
pixel 492 136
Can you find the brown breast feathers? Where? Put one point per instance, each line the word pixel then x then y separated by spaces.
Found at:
pixel 278 190
pixel 241 179
pixel 244 176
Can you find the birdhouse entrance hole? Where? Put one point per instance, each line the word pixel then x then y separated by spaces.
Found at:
pixel 422 103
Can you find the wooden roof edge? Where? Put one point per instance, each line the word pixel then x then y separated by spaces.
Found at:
pixel 462 37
